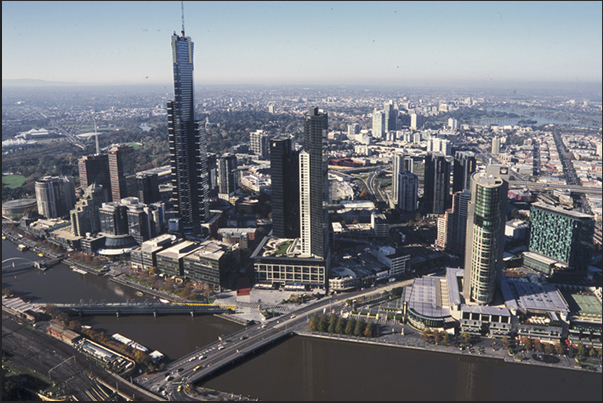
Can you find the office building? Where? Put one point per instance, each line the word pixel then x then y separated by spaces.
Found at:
pixel 485 238
pixel 122 171
pixel 284 173
pixel 95 169
pixel 55 196
pixel 139 222
pixel 85 215
pixel 147 187
pixel 187 143
pixel 436 183
pixel 227 176
pixel 464 167
pixel 390 116
pixel 212 263
pixel 566 236
pixel 113 218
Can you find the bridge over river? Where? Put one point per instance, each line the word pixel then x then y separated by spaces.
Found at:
pixel 142 308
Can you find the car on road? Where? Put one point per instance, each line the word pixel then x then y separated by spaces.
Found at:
pixel 201 357
pixel 197 368
pixel 220 347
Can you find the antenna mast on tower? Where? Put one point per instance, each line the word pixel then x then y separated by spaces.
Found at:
pixel 182 8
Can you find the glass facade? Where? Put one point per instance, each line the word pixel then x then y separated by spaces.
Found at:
pixel 562 235
pixel 186 142
pixel 485 238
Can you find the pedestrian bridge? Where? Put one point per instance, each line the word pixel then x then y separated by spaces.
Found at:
pixel 144 308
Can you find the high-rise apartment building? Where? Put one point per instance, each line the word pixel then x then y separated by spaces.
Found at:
pixel 452 225
pixel 495 145
pixel 122 171
pixel 464 167
pixel 95 169
pixel 187 143
pixel 314 186
pixel 486 218
pixel 284 173
pixel 378 129
pixel 436 183
pixel 259 142
pixel 227 175
pixel 566 236
pixel 408 187
pixel 55 195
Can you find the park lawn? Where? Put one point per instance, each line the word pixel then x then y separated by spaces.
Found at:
pixel 13 181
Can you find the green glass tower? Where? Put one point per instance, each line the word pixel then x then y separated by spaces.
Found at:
pixel 486 216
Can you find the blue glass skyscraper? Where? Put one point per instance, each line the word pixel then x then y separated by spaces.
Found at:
pixel 187 143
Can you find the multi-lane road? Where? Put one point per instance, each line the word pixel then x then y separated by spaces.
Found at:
pixel 204 362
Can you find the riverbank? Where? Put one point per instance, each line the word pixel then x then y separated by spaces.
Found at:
pixel 414 342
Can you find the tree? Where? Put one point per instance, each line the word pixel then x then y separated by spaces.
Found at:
pixel 528 344
pixel 369 329
pixel 313 325
pixel 445 337
pixel 427 334
pixel 332 323
pixel 505 341
pixel 341 324
pixel 559 348
pixel 538 346
pixel 466 337
pixel 580 349
pixel 436 336
pixel 323 323
pixel 549 348
pixel 350 326
pixel 359 328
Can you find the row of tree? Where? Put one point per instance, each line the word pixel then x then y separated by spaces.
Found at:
pixel 335 324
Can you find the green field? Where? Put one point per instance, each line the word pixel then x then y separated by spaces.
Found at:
pixel 13 181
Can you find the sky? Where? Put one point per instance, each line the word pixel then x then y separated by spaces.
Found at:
pixel 305 43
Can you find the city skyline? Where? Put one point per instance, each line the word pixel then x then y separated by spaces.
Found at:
pixel 367 43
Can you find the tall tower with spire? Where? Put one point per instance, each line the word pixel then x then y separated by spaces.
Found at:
pixel 187 142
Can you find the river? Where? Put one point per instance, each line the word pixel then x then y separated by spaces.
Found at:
pixel 303 368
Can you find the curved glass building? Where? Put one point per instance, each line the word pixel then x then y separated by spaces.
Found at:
pixel 484 247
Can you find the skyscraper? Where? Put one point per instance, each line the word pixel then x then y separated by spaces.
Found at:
pixel 227 180
pixel 486 217
pixel 437 183
pixel 95 169
pixel 314 185
pixel 186 142
pixel 122 171
pixel 464 166
pixel 284 173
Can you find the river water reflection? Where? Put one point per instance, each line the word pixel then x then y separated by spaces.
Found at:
pixel 303 368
